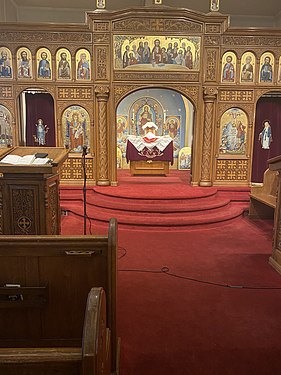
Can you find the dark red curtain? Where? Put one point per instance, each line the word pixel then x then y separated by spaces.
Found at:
pixel 40 106
pixel 268 108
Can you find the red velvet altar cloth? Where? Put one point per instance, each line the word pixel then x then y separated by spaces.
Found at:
pixel 132 154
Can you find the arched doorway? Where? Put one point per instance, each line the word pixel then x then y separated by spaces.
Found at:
pixel 36 118
pixel 267 134
pixel 173 114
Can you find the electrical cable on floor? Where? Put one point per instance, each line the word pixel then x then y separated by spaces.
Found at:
pixel 165 270
pixel 90 224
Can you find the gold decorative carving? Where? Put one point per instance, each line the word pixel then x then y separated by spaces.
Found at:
pixel 53 205
pixel 206 152
pixel 72 169
pixel 212 40
pixel 190 92
pixel 46 37
pixel 23 202
pixel 101 38
pixel 101 26
pixel 182 26
pixel 133 76
pixel 71 46
pixel 6 92
pixel 49 88
pixel 157 25
pixel 211 65
pixel 9 104
pixel 210 94
pixel 236 95
pixel 121 91
pixel 103 159
pixel 232 170
pixel 212 28
pixel 248 108
pixel 101 63
pixel 102 93
pixel 61 106
pixel 78 93
pixel 260 92
pixel 268 41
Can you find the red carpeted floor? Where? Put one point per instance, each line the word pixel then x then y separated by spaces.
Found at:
pixel 196 299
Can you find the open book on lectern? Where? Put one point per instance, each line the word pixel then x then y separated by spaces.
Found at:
pixel 25 160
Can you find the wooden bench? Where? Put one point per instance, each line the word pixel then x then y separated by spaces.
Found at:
pixel 92 359
pixel 263 197
pixel 45 281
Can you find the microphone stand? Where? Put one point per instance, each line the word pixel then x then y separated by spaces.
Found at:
pixel 84 186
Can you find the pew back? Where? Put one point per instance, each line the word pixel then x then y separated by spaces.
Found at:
pixel 45 281
pixel 263 197
pixel 92 359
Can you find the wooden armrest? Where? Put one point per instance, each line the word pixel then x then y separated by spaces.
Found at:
pixel 96 337
pixel 36 355
pixel 268 200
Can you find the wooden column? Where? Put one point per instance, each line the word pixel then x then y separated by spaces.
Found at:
pixel 210 95
pixel 102 94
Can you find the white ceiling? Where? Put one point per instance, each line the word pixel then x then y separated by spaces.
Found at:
pixel 262 12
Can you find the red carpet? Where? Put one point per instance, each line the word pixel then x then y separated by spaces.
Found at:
pixel 216 310
pixel 170 325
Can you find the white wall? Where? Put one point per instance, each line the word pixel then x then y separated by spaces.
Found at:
pixel 8 11
pixel 252 21
pixel 14 10
pixel 58 15
pixel 278 20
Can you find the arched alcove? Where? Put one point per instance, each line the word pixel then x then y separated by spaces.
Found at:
pixel 76 128
pixel 172 112
pixel 268 112
pixel 36 106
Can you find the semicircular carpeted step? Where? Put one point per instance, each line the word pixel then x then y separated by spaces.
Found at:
pixel 161 219
pixel 155 191
pixel 157 205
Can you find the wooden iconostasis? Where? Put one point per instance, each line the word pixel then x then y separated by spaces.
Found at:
pixel 211 88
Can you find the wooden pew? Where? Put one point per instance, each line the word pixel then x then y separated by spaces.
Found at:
pixel 92 359
pixel 275 259
pixel 263 198
pixel 44 283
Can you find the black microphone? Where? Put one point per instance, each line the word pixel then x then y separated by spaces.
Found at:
pixel 84 153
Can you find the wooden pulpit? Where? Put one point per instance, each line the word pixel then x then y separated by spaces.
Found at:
pixel 29 194
pixel 275 259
